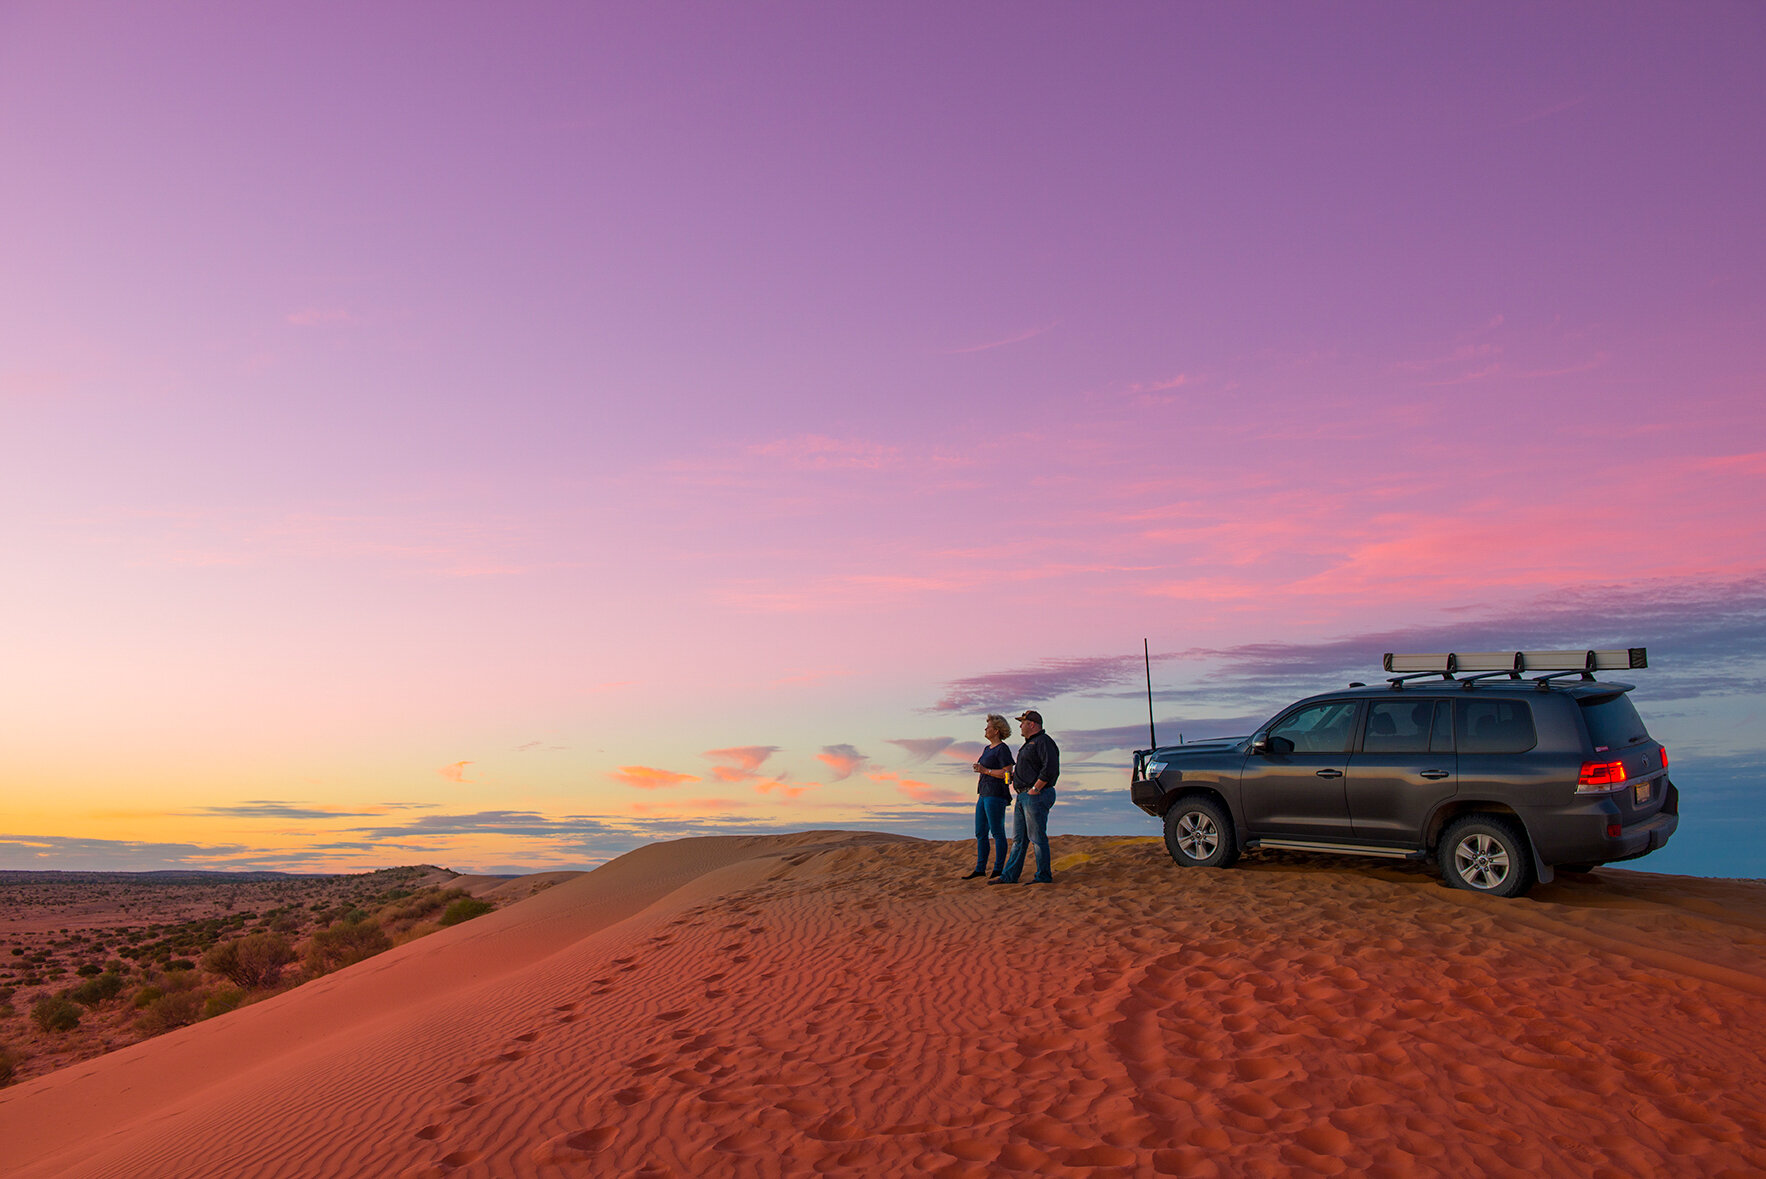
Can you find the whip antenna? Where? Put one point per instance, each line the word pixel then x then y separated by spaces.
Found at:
pixel 1147 654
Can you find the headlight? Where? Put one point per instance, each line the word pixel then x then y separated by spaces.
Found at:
pixel 1155 768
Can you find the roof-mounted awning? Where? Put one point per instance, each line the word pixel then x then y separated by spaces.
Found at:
pixel 1453 662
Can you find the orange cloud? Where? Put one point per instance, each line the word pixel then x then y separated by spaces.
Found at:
pixel 777 786
pixel 918 791
pixel 747 760
pixel 648 777
pixel 687 808
pixel 455 772
pixel 842 759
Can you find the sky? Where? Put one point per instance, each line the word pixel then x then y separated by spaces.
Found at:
pixel 500 436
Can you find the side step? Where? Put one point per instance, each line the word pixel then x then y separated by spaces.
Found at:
pixel 1340 849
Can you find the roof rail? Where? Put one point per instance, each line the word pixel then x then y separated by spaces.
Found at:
pixel 1494 664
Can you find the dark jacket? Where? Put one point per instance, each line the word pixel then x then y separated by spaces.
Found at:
pixel 1039 760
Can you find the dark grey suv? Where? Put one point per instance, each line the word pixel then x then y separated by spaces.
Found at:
pixel 1462 759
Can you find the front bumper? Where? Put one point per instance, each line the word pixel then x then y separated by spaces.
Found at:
pixel 1146 794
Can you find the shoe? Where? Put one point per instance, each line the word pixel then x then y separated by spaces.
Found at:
pixel 994 873
pixel 973 874
pixel 1001 880
pixel 1036 880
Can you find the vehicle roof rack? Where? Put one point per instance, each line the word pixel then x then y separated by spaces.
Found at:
pixel 1488 665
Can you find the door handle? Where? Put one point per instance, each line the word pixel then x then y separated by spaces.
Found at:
pixel 1330 773
pixel 1433 774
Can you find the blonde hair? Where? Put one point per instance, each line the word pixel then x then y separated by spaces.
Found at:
pixel 994 718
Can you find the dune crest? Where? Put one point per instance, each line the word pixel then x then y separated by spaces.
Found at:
pixel 832 1002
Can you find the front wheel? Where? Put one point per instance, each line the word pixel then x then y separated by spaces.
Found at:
pixel 1199 833
pixel 1487 854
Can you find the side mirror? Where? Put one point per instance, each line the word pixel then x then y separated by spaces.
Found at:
pixel 1268 745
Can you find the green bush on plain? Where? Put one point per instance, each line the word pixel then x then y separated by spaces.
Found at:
pixel 56 1013
pixel 253 961
pixel 465 909
pixel 344 944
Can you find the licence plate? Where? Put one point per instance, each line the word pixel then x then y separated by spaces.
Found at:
pixel 1642 790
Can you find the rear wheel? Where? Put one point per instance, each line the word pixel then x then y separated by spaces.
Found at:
pixel 1488 854
pixel 1199 833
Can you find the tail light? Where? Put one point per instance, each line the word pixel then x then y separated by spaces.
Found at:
pixel 1664 757
pixel 1600 777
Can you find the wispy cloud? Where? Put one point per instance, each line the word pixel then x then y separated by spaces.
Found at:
pixel 285 810
pixel 921 749
pixel 918 791
pixel 742 762
pixel 1031 685
pixel 842 759
pixel 817 452
pixel 455 772
pixel 319 317
pixel 648 777
pixel 1016 338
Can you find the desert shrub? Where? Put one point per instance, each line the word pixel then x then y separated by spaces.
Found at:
pixel 89 969
pixel 180 964
pixel 8 1062
pixel 171 1010
pixel 345 943
pixel 255 960
pixel 94 991
pixel 5 999
pixel 56 1013
pixel 146 995
pixel 465 909
pixel 223 1000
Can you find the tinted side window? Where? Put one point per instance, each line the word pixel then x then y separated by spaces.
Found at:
pixel 1613 723
pixel 1398 726
pixel 1495 726
pixel 1320 728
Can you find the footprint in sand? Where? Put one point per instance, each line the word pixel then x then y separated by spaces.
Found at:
pixel 527 1037
pixel 571 1147
pixel 431 1133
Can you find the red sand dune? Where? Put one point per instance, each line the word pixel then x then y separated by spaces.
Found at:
pixel 838 1003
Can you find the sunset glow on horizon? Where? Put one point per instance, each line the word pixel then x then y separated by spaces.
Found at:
pixel 498 438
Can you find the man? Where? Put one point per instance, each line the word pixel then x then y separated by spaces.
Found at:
pixel 1033 782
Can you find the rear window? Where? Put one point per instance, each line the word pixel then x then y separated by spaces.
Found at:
pixel 1495 726
pixel 1613 723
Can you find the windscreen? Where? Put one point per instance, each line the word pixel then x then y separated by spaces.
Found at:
pixel 1613 723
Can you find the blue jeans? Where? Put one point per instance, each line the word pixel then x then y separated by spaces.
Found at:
pixel 990 815
pixel 1030 824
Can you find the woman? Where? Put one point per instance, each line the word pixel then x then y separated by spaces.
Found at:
pixel 994 795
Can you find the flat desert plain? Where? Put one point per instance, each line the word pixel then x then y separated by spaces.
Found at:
pixel 831 1002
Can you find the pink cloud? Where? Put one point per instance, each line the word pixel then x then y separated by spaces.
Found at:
pixel 455 772
pixel 648 777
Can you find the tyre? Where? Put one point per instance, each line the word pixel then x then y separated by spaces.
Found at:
pixel 1199 833
pixel 1487 854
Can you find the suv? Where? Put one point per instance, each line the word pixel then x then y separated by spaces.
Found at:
pixel 1499 779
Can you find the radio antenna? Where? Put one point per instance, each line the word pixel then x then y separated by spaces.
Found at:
pixel 1147 654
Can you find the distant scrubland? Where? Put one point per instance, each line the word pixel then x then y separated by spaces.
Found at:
pixel 92 962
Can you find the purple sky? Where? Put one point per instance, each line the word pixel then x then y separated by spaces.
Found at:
pixel 495 436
